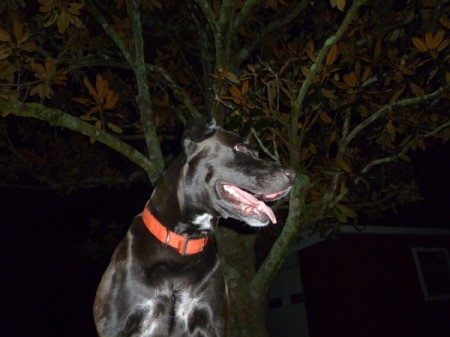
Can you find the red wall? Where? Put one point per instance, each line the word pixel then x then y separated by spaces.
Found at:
pixel 366 285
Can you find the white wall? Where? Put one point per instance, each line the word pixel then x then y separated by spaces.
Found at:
pixel 287 319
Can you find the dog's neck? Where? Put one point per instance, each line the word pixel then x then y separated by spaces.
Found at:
pixel 166 204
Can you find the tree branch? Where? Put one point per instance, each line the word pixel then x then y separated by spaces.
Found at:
pixel 274 157
pixel 110 31
pixel 396 156
pixel 289 235
pixel 143 98
pixel 163 77
pixel 246 10
pixel 226 16
pixel 206 61
pixel 274 25
pixel 402 103
pixel 179 92
pixel 298 102
pixel 59 118
pixel 299 215
pixel 205 6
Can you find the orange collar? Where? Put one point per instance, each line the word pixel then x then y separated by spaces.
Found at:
pixel 184 245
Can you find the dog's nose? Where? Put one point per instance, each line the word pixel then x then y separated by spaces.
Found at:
pixel 290 173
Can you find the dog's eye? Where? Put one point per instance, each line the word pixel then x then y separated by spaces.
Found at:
pixel 242 148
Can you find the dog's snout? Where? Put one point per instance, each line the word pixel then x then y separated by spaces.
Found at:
pixel 290 173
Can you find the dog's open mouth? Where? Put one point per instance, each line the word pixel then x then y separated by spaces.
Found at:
pixel 247 203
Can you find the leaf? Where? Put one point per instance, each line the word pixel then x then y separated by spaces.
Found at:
pixel 333 136
pixel 49 19
pixel 391 130
pixel 234 91
pixel 284 67
pixel 408 17
pixel 102 87
pixel 405 157
pixel 350 79
pixel 429 40
pixel 7 71
pixel 4 36
pixel 5 52
pixel 340 217
pixel 438 37
pixel 244 88
pixel 91 89
pixel 394 35
pixel 115 128
pixel 326 117
pixel 443 45
pixel 311 55
pixel 251 68
pixel 312 148
pixel 366 73
pixel 24 37
pixel 363 111
pixel 111 100
pixel 7 112
pixel 81 100
pixel 377 49
pixel 39 89
pixel 343 165
pixel 416 90
pixel 98 124
pixel 61 22
pixel 445 22
pixel 397 94
pixel 231 77
pixel 88 118
pixel 331 55
pixel 17 30
pixel 50 66
pixel 38 69
pixel 434 117
pixel 419 44
pixel 74 8
pixel 347 211
pixel 156 4
pixel 287 93
pixel 304 70
pixel 340 4
pixel 328 93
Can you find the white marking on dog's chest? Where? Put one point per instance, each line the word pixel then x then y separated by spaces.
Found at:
pixel 204 221
pixel 149 324
pixel 187 303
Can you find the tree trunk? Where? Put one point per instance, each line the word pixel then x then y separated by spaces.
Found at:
pixel 247 308
pixel 247 317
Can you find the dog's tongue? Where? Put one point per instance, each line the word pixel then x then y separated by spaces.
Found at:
pixel 255 202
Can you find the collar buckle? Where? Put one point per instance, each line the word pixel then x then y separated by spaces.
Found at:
pixel 182 246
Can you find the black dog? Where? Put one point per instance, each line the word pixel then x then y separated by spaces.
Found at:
pixel 164 278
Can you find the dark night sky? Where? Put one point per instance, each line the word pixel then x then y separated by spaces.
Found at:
pixel 47 288
pixel 434 210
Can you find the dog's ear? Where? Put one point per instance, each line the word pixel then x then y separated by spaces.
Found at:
pixel 197 130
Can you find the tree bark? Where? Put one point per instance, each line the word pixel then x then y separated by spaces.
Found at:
pixel 247 307
pixel 57 117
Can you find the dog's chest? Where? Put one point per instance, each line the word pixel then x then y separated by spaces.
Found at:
pixel 174 312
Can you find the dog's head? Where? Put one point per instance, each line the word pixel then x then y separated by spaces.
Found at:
pixel 224 177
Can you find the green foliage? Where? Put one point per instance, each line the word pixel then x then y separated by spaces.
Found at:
pixel 345 92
